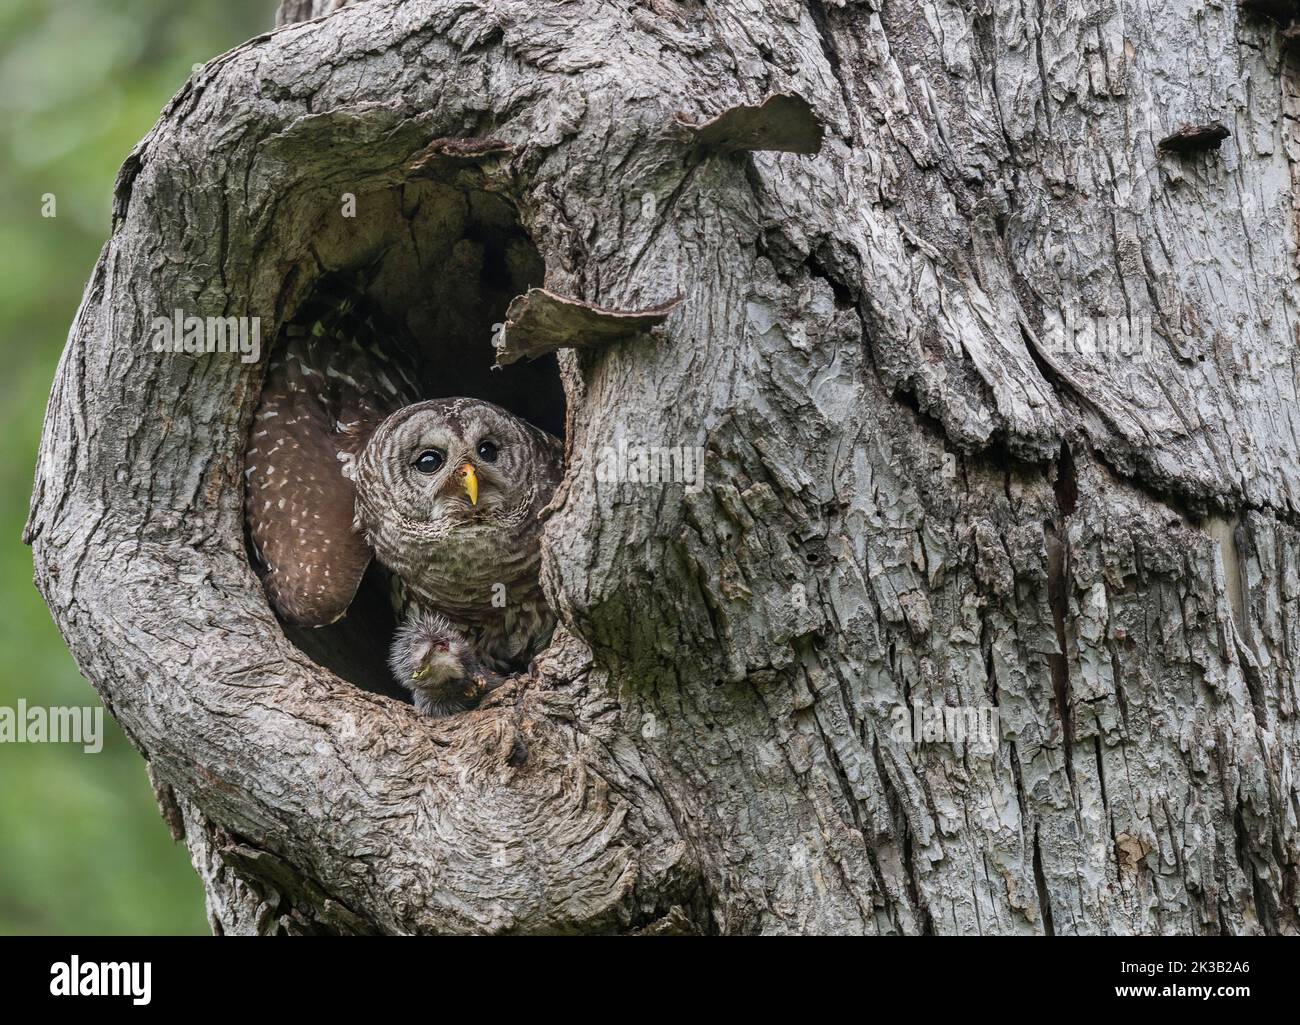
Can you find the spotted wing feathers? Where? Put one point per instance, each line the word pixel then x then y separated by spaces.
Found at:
pixel 335 376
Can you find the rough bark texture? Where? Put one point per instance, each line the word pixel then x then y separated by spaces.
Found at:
pixel 911 494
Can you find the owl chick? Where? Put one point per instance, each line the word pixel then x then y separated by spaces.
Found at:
pixel 438 666
pixel 448 497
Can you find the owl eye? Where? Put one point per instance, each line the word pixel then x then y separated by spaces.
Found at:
pixel 487 451
pixel 429 461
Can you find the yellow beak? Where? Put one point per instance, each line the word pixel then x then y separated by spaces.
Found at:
pixel 420 673
pixel 470 480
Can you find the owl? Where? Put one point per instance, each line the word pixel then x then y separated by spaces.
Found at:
pixel 449 494
pixel 344 466
pixel 438 666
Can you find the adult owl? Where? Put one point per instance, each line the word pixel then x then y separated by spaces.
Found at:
pixel 449 494
pixel 343 466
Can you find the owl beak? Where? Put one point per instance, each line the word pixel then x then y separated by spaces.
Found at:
pixel 470 481
pixel 421 673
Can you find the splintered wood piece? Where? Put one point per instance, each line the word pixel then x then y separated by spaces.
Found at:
pixel 1194 138
pixel 443 155
pixel 782 122
pixel 541 321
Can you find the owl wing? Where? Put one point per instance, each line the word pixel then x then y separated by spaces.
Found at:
pixel 337 374
pixel 552 459
pixel 550 451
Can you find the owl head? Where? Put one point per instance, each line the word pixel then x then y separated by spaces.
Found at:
pixel 428 654
pixel 446 488
pixel 448 461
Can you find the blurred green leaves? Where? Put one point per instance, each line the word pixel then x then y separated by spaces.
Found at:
pixel 82 848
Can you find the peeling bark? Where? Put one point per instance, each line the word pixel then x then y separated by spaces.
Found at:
pixel 541 322
pixel 913 492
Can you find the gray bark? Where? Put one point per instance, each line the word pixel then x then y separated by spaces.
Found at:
pixel 912 495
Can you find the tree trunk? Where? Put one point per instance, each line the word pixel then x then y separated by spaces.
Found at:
pixel 923 489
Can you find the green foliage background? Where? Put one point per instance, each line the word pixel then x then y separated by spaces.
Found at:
pixel 82 848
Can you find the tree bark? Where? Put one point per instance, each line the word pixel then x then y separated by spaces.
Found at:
pixel 913 495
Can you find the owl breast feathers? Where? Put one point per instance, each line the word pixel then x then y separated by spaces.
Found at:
pixel 343 467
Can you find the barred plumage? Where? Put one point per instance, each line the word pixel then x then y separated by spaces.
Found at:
pixel 332 381
pixel 333 480
pixel 474 558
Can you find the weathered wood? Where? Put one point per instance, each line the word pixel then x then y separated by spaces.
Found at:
pixel 917 488
pixel 539 322
pixel 443 155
